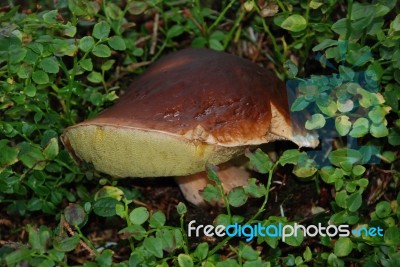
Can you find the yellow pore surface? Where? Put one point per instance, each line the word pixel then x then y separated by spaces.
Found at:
pixel 133 152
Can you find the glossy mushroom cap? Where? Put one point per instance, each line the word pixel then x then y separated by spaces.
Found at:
pixel 189 109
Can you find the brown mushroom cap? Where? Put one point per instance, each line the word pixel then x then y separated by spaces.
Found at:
pixel 189 109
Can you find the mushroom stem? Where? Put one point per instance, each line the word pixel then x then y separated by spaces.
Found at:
pixel 192 185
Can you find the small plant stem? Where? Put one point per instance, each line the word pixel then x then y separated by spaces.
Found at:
pixel 219 246
pixel 87 243
pixel 252 219
pixel 228 37
pixel 128 222
pixel 154 34
pixel 37 255
pixel 271 36
pixel 267 187
pixel 221 16
pixel 348 23
pixel 281 5
pixel 103 82
pixel 226 201
pixel 185 247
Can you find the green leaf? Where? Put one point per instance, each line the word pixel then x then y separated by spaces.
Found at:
pixel 383 209
pixel 395 24
pixel 95 77
pixel 305 168
pixel 259 161
pixel 354 201
pixel 30 90
pixel 38 238
pixel 101 30
pixel 174 31
pixel 249 253
pixel 291 68
pixel 139 215
pixel 343 247
pixel 339 217
pixel 109 192
pixel 31 156
pixel 223 219
pixel 346 73
pixel 324 44
pixel 341 199
pixel 96 98
pixel 117 43
pixel 212 173
pixel 216 45
pixel 340 27
pixel 290 156
pixel 363 183
pixel 86 64
pixel 347 155
pixel 307 255
pixel 49 65
pixel 185 260
pixel 74 214
pixel 105 258
pixel 120 210
pixel 237 197
pixel 8 155
pixel 201 251
pixel 136 7
pixel 66 244
pixel 294 23
pixel 181 208
pixel 329 108
pixel 295 240
pixel 157 220
pixel 40 77
pixel 394 137
pixel 107 65
pixel 377 114
pixel 101 50
pixel 51 150
pixel 17 256
pixel 16 54
pixel 389 156
pixel 134 230
pixel 368 99
pixel 253 189
pixel 154 246
pixel 105 207
pixel 333 260
pixel 50 16
pixel 358 170
pixel 86 43
pixel 360 128
pixel 379 130
pixel 317 121
pixel 299 104
pixel 113 11
pixel 342 125
pixel 392 236
pixel 211 193
pixel 69 30
pixel 330 175
pixel 345 105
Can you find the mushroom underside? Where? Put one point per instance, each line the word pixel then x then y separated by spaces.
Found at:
pixel 129 152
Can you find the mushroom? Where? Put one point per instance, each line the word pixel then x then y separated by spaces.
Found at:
pixel 191 108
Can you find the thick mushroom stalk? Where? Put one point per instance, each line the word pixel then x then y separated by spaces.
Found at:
pixel 189 109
